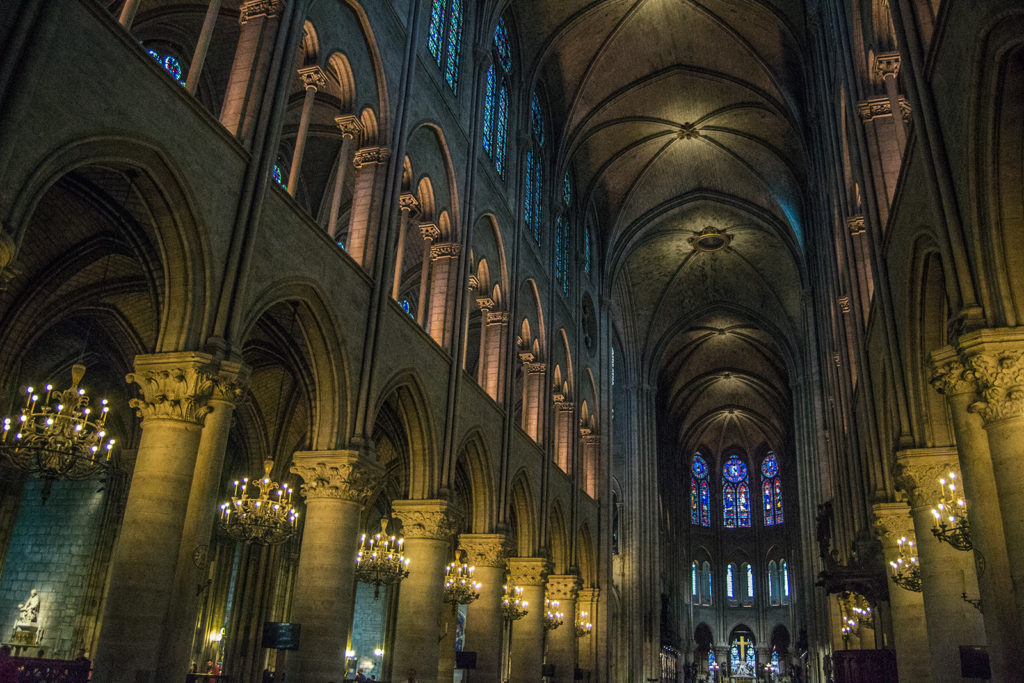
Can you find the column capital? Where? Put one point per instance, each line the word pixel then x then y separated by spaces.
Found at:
pixel 949 375
pixel 485 550
pixel 918 471
pixel 254 9
pixel 485 303
pixel 856 225
pixel 178 386
pixel 427 519
pixel 445 250
pixel 526 357
pixel 536 368
pixel 562 405
pixel 881 107
pixel 887 64
pixel 497 317
pixel 341 474
pixel 371 155
pixel 589 438
pixel 407 202
pixel 893 522
pixel 312 77
pixel 528 571
pixel 563 587
pixel 995 361
pixel 429 231
pixel 589 595
pixel 349 125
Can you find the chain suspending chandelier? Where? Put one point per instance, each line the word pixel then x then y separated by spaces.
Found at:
pixel 583 625
pixel 265 518
pixel 950 513
pixel 59 436
pixel 552 617
pixel 459 586
pixel 906 570
pixel 381 559
pixel 513 607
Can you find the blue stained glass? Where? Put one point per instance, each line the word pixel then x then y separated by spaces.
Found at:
pixel 711 658
pixel 558 248
pixel 693 579
pixel 729 505
pixel 734 657
pixel 451 71
pixel 694 503
pixel 538 119
pixel 771 490
pixel 769 508
pixel 278 176
pixel 586 250
pixel 743 505
pixel 751 658
pixel 538 193
pixel 501 126
pixel 434 39
pixel 502 45
pixel 778 501
pixel 404 303
pixel 566 190
pixel 489 112
pixel 705 503
pixel 775 663
pixel 700 467
pixel 770 466
pixel 735 470
pixel 750 582
pixel 785 581
pixel 730 591
pixel 528 199
pixel 170 64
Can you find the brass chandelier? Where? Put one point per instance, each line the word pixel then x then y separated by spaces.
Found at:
pixel 950 516
pixel 906 570
pixel 381 560
pixel 513 607
pixel 266 517
pixel 459 586
pixel 583 625
pixel 552 617
pixel 59 436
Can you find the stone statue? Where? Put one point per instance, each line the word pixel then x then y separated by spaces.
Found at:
pixel 28 611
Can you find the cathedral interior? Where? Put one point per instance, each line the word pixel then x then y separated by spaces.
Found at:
pixel 512 340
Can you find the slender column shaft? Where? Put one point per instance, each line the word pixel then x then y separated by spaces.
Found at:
pixel 439 321
pixel 344 161
pixel 362 232
pixel 409 205
pixel 195 69
pixel 533 392
pixel 563 435
pixel 430 233
pixel 481 363
pixel 312 78
pixel 128 13
pixel 249 70
pixel 497 324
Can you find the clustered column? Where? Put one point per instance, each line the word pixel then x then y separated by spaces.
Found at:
pixel 497 330
pixel 586 653
pixel 562 640
pixel 443 259
pixel 362 235
pixel 527 650
pixel 563 432
pixel 486 552
pixel 247 80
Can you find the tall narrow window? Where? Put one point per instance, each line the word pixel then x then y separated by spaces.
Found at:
pixel 501 130
pixel 771 490
pixel 489 98
pixel 735 493
pixel 496 97
pixel 773 583
pixel 563 236
pixel 748 579
pixel 444 37
pixel 706 583
pixel 700 494
pixel 776 669
pixel 451 70
pixel 785 582
pixel 730 583
pixel 170 64
pixel 586 250
pixel 694 582
pixel 435 39
pixel 534 182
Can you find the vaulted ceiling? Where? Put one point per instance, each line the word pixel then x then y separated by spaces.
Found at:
pixel 684 118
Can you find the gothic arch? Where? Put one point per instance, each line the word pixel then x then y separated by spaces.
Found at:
pixel 405 392
pixel 523 514
pixel 473 455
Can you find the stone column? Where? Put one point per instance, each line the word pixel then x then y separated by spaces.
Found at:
pixel 410 206
pixel 427 526
pixel 591 454
pixel 533 394
pixel 485 303
pixel 486 552
pixel 444 258
pixel 313 79
pixel 430 233
pixel 561 650
pixel 362 231
pixel 586 652
pixel 351 129
pixel 336 485
pixel 497 332
pixel 887 66
pixel 563 432
pixel 910 640
pixel 175 388
pixel 248 77
pixel 190 571
pixel 195 68
pixel 945 571
pixel 1002 624
pixel 128 13
pixel 527 650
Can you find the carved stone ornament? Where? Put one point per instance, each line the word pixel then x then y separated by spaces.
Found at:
pixel 371 155
pixel 562 587
pixel 445 250
pixel 429 231
pixel 254 9
pixel 918 472
pixel 485 550
pixel 428 519
pixel 893 522
pixel 176 386
pixel 587 598
pixel 408 202
pixel 887 64
pixel 536 368
pixel 528 571
pixel 949 376
pixel 564 406
pixel 588 438
pixel 313 77
pixel 856 225
pixel 344 475
pixel 485 303
pixel 497 317
pixel 844 304
pixel 349 126
pixel 999 377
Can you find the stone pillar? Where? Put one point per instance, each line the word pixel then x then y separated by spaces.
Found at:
pixel 910 640
pixel 945 571
pixel 362 232
pixel 563 433
pixel 313 78
pixel 887 66
pixel 497 332
pixel 591 454
pixel 128 13
pixel 1002 624
pixel 410 206
pixel 486 552
pixel 247 79
pixel 485 303
pixel 195 68
pixel 561 650
pixel 533 394
pixel 350 129
pixel 336 485
pixel 586 652
pixel 430 233
pixel 527 649
pixel 444 259
pixel 199 518
pixel 427 526
pixel 175 388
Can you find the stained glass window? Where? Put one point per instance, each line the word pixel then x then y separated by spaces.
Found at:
pixel 750 583
pixel 538 118
pixel 502 45
pixel 694 502
pixel 170 64
pixel 730 589
pixel 743 505
pixel 501 125
pixel 434 39
pixel 706 579
pixel 742 658
pixel 735 493
pixel 528 195
pixel 773 583
pixel 278 176
pixel 711 658
pixel 705 503
pixel 775 663
pixel 489 112
pixel 451 71
pixel 694 585
pixel 566 189
pixel 406 306
pixel 771 490
pixel 785 582
pixel 700 499
pixel 562 253
pixel 586 250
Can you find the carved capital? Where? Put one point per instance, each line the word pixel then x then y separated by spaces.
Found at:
pixel 485 550
pixel 349 125
pixel 254 9
pixel 536 368
pixel 856 225
pixel 589 439
pixel 313 77
pixel 563 587
pixel 428 519
pixel 429 231
pixel 230 382
pixel 563 406
pixel 949 375
pixel 528 571
pixel 999 378
pixel 497 318
pixel 881 107
pixel 887 64
pixel 588 597
pixel 918 471
pixel 893 522
pixel 408 202
pixel 485 303
pixel 345 475
pixel 844 304
pixel 370 155
pixel 174 386
pixel 445 250
pixel 526 357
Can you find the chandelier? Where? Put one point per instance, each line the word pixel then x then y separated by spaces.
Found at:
pixel 854 612
pixel 583 625
pixel 381 560
pixel 552 617
pixel 513 607
pixel 950 513
pixel 266 518
pixel 60 436
pixel 459 586
pixel 906 571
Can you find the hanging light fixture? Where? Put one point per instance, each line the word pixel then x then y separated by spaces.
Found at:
pixel 854 612
pixel 267 517
pixel 381 559
pixel 950 516
pixel 513 607
pixel 459 586
pixel 552 617
pixel 583 625
pixel 59 436
pixel 906 571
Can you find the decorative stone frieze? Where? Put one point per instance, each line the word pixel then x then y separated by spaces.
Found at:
pixel 999 378
pixel 254 9
pixel 177 386
pixel 497 317
pixel 529 571
pixel 313 77
pixel 526 357
pixel 918 471
pixel 536 368
pixel 344 475
pixel 563 587
pixel 350 126
pixel 371 155
pixel 485 550
pixel 893 522
pixel 427 519
pixel 881 107
pixel 949 375
pixel 445 250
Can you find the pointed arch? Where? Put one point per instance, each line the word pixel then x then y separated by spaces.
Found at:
pixel 407 397
pixel 473 455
